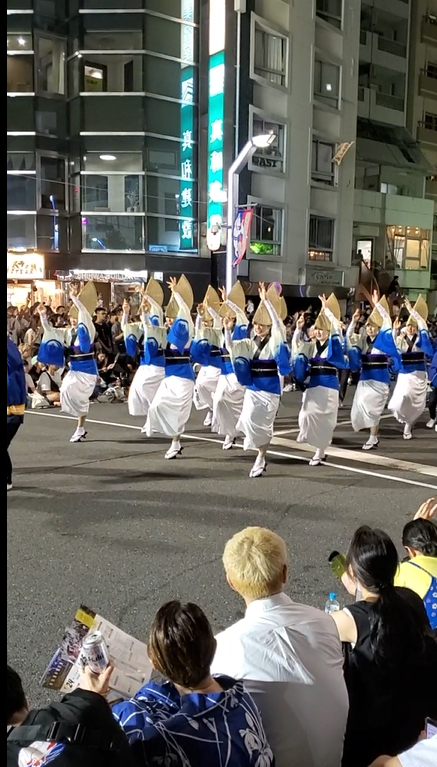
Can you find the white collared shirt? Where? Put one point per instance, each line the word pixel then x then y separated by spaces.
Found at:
pixel 289 656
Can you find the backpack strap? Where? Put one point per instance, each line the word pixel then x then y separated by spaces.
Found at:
pixel 61 732
pixel 419 567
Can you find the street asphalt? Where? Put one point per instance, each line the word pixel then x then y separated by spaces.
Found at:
pixel 110 524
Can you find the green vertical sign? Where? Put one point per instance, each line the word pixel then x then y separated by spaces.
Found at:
pixel 186 201
pixel 216 104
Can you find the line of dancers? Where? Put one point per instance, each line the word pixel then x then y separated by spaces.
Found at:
pixel 241 370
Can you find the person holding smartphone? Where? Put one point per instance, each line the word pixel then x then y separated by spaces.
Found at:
pixel 422 754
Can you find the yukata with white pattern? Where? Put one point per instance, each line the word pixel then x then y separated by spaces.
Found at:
pixel 220 729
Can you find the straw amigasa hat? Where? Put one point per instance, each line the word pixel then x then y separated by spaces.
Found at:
pixel 185 291
pixel 213 300
pixel 262 316
pixel 88 297
pixel 238 297
pixel 375 318
pixel 421 307
pixel 323 322
pixel 154 291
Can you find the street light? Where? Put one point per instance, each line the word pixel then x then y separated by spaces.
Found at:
pixel 256 142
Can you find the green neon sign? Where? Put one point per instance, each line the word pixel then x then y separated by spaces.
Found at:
pixel 216 111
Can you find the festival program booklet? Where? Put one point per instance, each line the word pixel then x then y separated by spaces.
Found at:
pixel 132 667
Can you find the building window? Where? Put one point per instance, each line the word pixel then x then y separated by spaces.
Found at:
pixel 270 55
pixel 271 157
pixel 430 121
pixel 327 82
pixel 53 182
pixel 321 238
pixel 330 11
pixel 21 231
pixel 266 232
pixel 20 42
pixel 19 73
pixel 408 247
pixel 113 233
pixel 21 191
pixel 431 70
pixel 51 65
pixel 322 166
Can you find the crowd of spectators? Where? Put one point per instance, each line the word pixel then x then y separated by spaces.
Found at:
pixel 288 685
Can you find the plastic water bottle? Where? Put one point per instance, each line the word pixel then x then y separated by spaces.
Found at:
pixel 332 605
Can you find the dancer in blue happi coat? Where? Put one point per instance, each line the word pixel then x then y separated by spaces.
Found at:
pixel 78 341
pixel 316 364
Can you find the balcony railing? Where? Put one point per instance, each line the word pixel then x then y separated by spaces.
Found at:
pixel 429 29
pixel 392 46
pixel 428 81
pixel 389 101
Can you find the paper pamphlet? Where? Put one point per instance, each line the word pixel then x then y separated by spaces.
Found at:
pixel 129 657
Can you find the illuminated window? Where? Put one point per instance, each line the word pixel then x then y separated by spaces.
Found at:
pixel 271 157
pixel 266 232
pixel 321 238
pixel 327 82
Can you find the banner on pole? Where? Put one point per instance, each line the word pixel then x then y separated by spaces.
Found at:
pixel 241 234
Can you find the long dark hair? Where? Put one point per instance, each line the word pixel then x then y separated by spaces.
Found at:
pixel 421 535
pixel 397 629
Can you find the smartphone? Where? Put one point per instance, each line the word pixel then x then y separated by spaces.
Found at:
pixel 430 728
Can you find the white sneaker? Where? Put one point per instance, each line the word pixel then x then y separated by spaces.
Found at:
pixel 208 419
pixel 144 429
pixel 288 387
pixel 371 443
pixel 258 468
pixel 228 443
pixel 174 450
pixel 431 423
pixel 407 432
pixel 10 486
pixel 317 458
pixel 78 435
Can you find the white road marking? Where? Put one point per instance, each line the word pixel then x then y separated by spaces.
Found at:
pixel 344 453
pixel 361 456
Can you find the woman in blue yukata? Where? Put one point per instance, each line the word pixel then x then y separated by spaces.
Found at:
pixel 208 328
pixel 171 406
pixel 145 336
pixel 260 364
pixel 80 381
pixel 408 400
pixel 316 363
pixel 194 719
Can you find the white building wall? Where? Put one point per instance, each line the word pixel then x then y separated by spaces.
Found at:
pixel 305 119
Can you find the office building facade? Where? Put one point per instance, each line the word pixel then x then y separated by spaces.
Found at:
pixel 393 221
pixel 103 136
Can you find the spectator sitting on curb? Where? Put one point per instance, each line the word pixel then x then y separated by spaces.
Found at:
pixel 78 730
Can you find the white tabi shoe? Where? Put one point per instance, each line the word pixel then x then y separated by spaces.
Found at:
pixel 317 458
pixel 173 451
pixel 431 423
pixel 258 468
pixel 79 435
pixel 228 443
pixel 408 434
pixel 371 443
pixel 10 486
pixel 144 429
pixel 208 419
